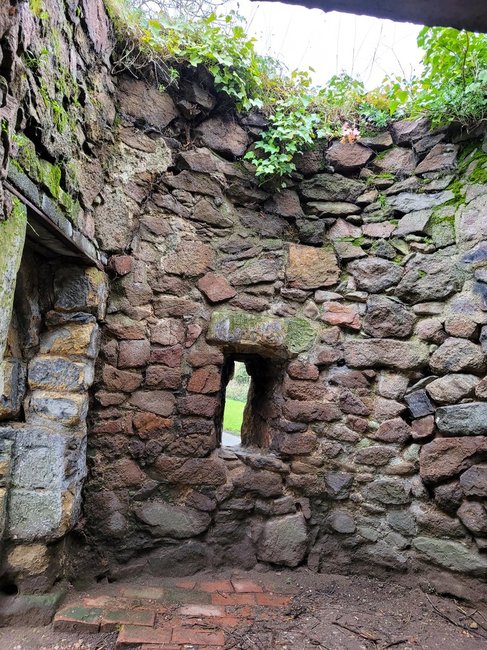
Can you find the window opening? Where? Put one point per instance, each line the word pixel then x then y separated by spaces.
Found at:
pixel 235 402
pixel 250 393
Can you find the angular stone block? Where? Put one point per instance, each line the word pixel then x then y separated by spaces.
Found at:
pixel 59 374
pixel 284 540
pixel 72 340
pixel 13 373
pixel 385 353
pixel 463 419
pixel 309 267
pixel 69 409
pixel 81 289
pixel 452 555
pixel 167 520
pixel 35 514
pixel 266 335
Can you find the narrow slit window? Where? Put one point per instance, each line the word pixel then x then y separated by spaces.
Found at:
pixel 235 402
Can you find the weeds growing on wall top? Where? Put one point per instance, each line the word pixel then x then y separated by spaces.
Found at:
pixel 453 86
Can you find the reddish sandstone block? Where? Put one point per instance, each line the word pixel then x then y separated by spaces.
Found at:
pixel 121 264
pixel 185 584
pixel 163 377
pixel 198 405
pixel 133 354
pixel 205 380
pixel 243 586
pixel 136 634
pixel 121 380
pixel 215 287
pixel 170 357
pixel 302 370
pixel 338 314
pixel 198 637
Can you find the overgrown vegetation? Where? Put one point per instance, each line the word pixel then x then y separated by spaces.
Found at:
pixel 453 86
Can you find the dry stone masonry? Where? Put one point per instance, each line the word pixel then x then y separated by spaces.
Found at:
pixel 356 297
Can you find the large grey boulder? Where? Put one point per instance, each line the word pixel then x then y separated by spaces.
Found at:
pixel 284 540
pixel 452 388
pixel 428 278
pixel 386 317
pixel 458 355
pixel 451 555
pixel 167 520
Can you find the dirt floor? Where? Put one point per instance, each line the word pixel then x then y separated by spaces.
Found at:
pixel 328 612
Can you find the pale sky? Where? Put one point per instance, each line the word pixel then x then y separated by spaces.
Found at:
pixel 331 42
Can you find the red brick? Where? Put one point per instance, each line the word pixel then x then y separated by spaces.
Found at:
pixel 78 619
pixel 233 599
pixel 111 619
pixel 216 585
pixel 246 586
pixel 136 634
pixel 201 610
pixel 272 600
pixel 196 636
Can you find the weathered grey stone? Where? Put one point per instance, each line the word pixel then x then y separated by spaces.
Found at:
pixel 374 274
pixel 474 516
pixel 471 220
pixel 403 522
pixel 67 409
pixel 474 481
pixel 449 496
pixel 375 455
pixel 407 202
pixel 385 353
pixel 334 208
pixel 283 540
pixel 452 388
pixel 451 555
pixel 284 337
pixel 377 142
pixel 331 187
pixel 392 385
pixel 458 355
pixel 338 484
pixel 432 521
pixel 463 419
pixel 388 492
pixel 445 458
pixel 347 157
pixel 342 522
pixel 441 157
pixel 59 374
pixel 81 289
pixel 264 269
pixel 224 136
pixel 419 404
pixel 144 102
pixel 414 222
pixel 428 278
pixel 400 161
pixel 407 131
pixel 168 520
pixel 35 514
pixel 387 318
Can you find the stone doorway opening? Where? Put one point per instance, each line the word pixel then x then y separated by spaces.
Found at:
pixel 256 379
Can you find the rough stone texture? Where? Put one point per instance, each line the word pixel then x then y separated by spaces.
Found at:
pixel 463 419
pixel 336 312
pixel 387 318
pixel 311 268
pixel 224 136
pixel 284 540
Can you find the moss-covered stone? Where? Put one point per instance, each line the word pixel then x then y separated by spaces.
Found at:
pixel 256 333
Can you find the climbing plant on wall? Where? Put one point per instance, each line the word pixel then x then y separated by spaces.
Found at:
pixel 453 85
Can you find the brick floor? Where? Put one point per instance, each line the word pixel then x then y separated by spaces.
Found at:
pixel 175 615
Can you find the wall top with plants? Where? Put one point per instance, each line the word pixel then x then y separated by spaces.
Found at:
pixel 453 86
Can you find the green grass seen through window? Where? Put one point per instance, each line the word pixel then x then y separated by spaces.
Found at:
pixel 233 416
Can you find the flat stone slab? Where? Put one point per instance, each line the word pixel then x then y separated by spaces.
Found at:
pixel 463 419
pixel 265 335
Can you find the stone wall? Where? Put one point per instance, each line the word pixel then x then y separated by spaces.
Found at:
pixel 356 297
